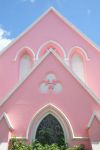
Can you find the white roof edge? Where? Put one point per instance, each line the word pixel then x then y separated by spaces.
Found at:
pixel 62 18
pixel 94 115
pixel 21 81
pixel 90 92
pixel 26 30
pixel 85 87
pixel 66 21
pixel 5 116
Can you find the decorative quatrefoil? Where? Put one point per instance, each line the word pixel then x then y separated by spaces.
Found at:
pixel 50 83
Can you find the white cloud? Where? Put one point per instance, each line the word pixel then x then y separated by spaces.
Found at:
pixel 4 40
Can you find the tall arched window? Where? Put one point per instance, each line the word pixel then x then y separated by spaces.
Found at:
pixel 50 131
pixel 78 66
pixel 25 65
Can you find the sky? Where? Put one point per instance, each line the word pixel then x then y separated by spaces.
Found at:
pixel 17 15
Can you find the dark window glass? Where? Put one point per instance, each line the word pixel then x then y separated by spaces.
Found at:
pixel 50 131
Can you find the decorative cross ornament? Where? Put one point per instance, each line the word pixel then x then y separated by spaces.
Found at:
pixel 50 83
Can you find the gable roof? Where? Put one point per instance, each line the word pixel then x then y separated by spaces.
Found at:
pixel 94 115
pixel 5 116
pixel 37 63
pixel 62 18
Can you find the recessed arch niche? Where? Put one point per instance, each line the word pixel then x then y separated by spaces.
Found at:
pixel 78 58
pixel 25 58
pixel 55 46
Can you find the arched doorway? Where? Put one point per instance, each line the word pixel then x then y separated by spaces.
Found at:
pixel 50 131
pixel 41 114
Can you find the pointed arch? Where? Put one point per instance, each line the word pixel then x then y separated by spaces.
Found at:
pixel 77 58
pixel 77 65
pixel 24 50
pixel 58 114
pixel 25 65
pixel 80 51
pixel 53 128
pixel 51 44
pixel 26 58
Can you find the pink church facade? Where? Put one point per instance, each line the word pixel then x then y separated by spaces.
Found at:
pixel 50 69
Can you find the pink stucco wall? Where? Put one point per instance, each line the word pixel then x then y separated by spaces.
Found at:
pixel 94 131
pixel 74 101
pixel 4 132
pixel 51 27
pixel 28 99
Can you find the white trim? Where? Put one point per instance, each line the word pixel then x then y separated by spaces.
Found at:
pixel 90 92
pixel 63 19
pixel 27 30
pixel 21 81
pixel 18 137
pixel 5 116
pixel 95 145
pixel 75 29
pixel 85 87
pixel 64 121
pixel 94 115
pixel 81 51
pixel 22 49
pixel 46 43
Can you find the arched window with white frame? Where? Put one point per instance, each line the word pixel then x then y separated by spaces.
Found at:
pixel 25 65
pixel 77 65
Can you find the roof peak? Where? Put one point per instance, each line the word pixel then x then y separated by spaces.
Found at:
pixel 52 9
pixel 58 14
pixel 5 116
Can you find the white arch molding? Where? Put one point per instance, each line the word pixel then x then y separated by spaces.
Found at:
pixel 51 42
pixel 26 49
pixel 79 50
pixel 59 115
pixel 41 114
pixel 77 58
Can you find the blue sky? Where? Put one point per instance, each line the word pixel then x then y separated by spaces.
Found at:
pixel 17 15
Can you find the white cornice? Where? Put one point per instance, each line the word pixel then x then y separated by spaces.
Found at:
pixel 94 115
pixel 37 63
pixel 62 18
pixel 5 116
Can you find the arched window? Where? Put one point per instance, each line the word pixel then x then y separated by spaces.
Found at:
pixel 50 131
pixel 25 65
pixel 78 65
